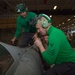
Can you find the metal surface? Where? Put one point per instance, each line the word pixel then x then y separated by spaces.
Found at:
pixel 26 60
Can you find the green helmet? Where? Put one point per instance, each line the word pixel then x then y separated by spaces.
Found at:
pixel 21 8
pixel 47 17
pixel 45 23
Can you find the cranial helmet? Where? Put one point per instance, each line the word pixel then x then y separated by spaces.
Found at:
pixel 46 22
pixel 21 8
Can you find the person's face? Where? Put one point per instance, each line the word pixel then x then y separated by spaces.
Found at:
pixel 23 14
pixel 41 30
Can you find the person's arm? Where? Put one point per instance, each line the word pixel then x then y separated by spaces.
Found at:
pixel 39 44
pixel 51 53
pixel 18 31
pixel 13 40
pixel 18 28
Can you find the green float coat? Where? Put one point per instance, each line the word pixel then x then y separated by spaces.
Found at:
pixel 59 50
pixel 23 22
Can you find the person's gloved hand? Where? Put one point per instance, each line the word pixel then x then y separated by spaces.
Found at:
pixel 38 42
pixel 13 40
pixel 46 38
pixel 35 36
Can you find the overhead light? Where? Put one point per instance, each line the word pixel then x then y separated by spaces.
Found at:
pixel 63 23
pixel 50 16
pixel 74 15
pixel 59 24
pixel 55 7
pixel 68 19
pixel 72 24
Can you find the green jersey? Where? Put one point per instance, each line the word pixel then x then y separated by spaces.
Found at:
pixel 23 23
pixel 59 50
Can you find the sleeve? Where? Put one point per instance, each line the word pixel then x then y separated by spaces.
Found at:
pixel 18 29
pixel 50 55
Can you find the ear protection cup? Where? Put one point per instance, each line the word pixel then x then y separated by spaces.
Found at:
pixel 45 22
